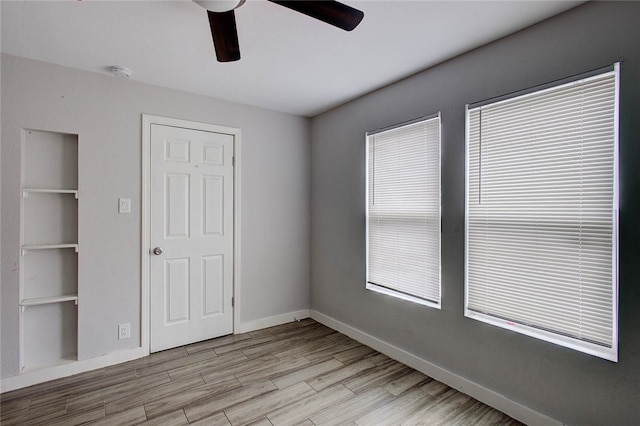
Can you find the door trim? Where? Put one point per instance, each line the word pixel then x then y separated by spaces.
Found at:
pixel 145 293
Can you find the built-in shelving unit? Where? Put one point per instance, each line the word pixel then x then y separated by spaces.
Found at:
pixel 49 249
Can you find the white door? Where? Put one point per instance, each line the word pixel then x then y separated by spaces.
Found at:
pixel 191 236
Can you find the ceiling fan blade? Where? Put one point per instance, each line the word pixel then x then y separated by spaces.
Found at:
pixel 225 35
pixel 332 12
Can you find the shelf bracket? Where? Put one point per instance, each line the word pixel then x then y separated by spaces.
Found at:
pixel 76 248
pixel 22 308
pixel 25 194
pixel 76 194
pixel 24 252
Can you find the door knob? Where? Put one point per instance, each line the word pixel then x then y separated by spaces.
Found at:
pixel 157 251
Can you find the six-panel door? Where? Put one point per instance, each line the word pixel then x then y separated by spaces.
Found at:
pixel 192 230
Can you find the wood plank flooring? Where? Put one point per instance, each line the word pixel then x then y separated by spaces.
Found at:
pixel 300 373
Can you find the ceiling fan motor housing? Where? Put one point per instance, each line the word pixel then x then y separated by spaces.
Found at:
pixel 220 5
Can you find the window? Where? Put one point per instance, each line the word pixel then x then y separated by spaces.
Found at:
pixel 403 211
pixel 542 208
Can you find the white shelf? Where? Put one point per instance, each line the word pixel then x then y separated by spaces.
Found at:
pixel 25 249
pixel 43 366
pixel 47 300
pixel 27 191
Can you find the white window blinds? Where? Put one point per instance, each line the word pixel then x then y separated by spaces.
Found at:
pixel 403 211
pixel 541 254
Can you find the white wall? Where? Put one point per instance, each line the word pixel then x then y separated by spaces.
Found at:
pixel 106 114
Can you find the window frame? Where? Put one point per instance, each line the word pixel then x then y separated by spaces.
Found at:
pixel 387 290
pixel 594 349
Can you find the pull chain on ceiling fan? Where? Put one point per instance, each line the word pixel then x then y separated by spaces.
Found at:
pixel 222 20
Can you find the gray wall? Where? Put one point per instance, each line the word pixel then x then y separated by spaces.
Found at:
pixel 567 385
pixel 106 114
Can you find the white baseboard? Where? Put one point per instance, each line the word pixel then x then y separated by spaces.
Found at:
pixel 30 378
pixel 482 394
pixel 245 327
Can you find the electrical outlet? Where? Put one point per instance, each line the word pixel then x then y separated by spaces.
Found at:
pixel 124 205
pixel 124 331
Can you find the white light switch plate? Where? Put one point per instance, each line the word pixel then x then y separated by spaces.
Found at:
pixel 124 205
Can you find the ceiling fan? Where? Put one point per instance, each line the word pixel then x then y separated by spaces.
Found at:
pixel 222 20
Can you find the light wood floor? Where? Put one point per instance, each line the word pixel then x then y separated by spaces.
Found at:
pixel 294 374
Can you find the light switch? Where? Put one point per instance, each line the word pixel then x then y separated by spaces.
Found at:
pixel 124 205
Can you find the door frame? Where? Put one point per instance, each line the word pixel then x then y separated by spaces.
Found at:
pixel 145 271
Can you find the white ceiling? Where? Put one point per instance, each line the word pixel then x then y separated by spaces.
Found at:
pixel 290 62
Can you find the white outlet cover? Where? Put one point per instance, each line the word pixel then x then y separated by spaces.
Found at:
pixel 124 331
pixel 124 205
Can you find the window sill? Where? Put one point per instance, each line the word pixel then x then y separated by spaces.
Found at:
pixel 403 296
